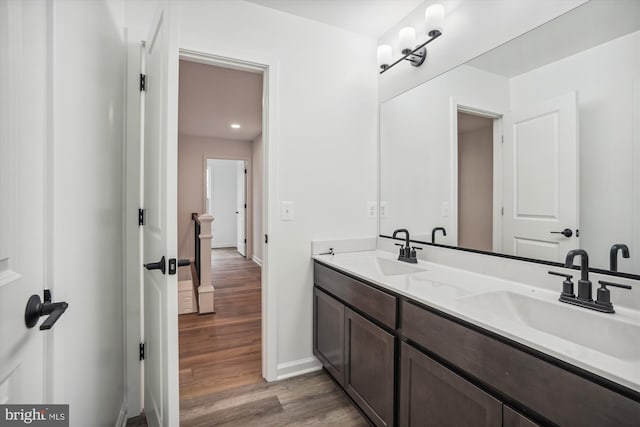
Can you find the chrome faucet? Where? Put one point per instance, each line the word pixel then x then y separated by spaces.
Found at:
pixel 407 253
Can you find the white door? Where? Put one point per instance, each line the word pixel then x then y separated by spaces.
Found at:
pixel 241 207
pixel 23 115
pixel 160 227
pixel 540 176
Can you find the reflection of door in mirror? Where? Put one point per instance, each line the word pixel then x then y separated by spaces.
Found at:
pixel 475 181
pixel 540 196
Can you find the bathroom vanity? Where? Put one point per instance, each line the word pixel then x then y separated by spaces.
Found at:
pixel 430 345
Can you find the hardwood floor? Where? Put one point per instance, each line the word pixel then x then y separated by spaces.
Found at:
pixel 307 400
pixel 221 364
pixel 223 350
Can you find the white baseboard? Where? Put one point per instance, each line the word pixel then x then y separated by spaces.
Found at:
pixel 224 245
pixel 297 367
pixel 122 416
pixel 257 260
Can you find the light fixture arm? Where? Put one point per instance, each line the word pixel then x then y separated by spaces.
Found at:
pixel 417 55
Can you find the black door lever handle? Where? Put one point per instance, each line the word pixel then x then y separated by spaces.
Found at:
pixel 160 265
pixel 36 308
pixel 566 232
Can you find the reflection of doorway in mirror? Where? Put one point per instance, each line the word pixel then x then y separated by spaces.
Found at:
pixel 475 181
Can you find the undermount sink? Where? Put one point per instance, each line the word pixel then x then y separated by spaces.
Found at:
pixel 604 334
pixel 383 266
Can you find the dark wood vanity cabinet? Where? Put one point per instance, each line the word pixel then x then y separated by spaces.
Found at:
pixel 356 351
pixel 406 363
pixel 369 366
pixel 328 340
pixel 433 396
pixel 513 418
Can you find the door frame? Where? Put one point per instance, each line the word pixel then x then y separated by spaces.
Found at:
pixel 248 196
pixel 268 67
pixel 477 109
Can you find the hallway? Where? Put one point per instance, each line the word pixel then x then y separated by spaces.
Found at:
pixel 223 350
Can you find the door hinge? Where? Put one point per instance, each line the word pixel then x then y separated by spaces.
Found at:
pixel 502 211
pixel 502 138
pixel 245 206
pixel 245 171
pixel 143 82
pixel 266 238
pixel 245 240
pixel 140 216
pixel 141 351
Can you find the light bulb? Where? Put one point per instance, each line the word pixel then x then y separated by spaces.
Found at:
pixel 434 18
pixel 384 56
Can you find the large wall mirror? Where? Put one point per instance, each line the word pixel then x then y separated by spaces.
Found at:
pixel 530 150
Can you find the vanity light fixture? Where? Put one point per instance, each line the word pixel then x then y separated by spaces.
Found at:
pixel 235 126
pixel 434 19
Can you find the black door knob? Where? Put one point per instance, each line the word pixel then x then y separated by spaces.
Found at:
pixel 566 232
pixel 36 309
pixel 160 265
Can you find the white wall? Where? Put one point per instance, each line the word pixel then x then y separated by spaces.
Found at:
pixel 87 213
pixel 416 160
pixel 257 157
pixel 603 77
pixel 223 205
pixel 471 28
pixel 326 129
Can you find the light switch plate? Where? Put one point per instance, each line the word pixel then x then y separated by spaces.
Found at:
pixel 287 211
pixel 371 209
pixel 445 209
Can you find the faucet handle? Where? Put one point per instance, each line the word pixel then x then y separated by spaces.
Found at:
pixel 567 285
pixel 604 296
pixel 615 285
pixel 566 276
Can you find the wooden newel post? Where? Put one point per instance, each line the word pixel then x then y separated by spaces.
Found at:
pixel 205 291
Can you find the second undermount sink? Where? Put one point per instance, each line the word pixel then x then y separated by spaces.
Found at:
pixel 382 266
pixel 603 333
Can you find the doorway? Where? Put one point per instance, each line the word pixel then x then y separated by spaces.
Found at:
pixel 225 200
pixel 475 181
pixel 221 174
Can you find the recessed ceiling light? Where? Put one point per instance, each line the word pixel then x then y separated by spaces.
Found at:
pixel 235 125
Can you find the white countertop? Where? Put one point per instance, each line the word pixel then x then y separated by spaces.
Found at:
pixel 604 344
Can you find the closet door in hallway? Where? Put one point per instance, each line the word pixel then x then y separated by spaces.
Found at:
pixel 223 350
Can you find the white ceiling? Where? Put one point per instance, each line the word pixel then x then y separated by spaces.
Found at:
pixel 367 17
pixel 589 25
pixel 211 98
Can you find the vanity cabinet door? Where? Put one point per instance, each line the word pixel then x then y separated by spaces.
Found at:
pixel 328 333
pixel 369 380
pixel 513 418
pixel 433 396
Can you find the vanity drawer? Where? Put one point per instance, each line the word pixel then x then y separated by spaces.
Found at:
pixel 377 304
pixel 559 395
